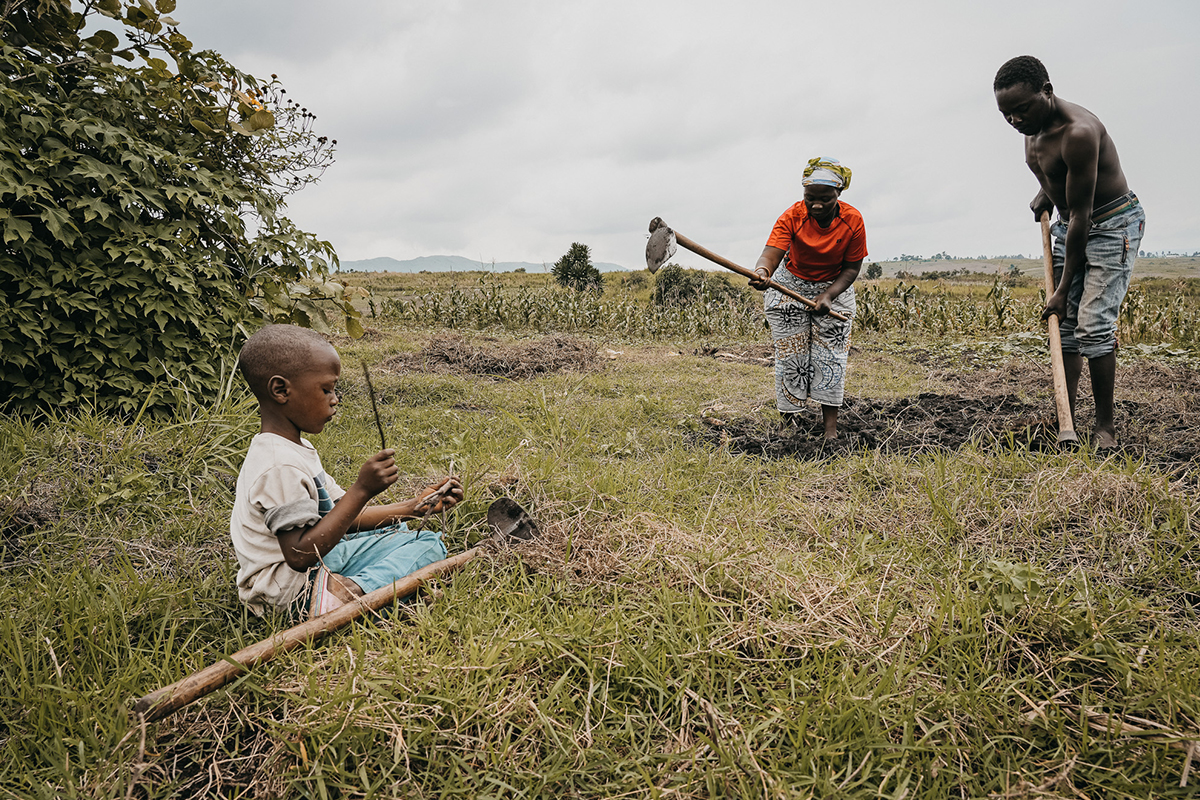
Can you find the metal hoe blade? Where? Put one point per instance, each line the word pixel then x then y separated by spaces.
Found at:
pixel 659 248
pixel 508 518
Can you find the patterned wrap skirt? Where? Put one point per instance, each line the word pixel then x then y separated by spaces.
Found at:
pixel 810 350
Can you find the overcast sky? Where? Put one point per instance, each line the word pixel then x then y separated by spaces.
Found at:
pixel 505 131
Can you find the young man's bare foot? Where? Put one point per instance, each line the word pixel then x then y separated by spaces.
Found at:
pixel 1104 439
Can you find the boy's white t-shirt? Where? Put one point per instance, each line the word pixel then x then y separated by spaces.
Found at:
pixel 281 486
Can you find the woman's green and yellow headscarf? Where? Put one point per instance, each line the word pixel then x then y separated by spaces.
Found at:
pixel 827 172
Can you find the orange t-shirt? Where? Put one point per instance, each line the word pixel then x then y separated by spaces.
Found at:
pixel 816 253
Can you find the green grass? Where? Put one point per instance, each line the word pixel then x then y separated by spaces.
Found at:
pixel 693 623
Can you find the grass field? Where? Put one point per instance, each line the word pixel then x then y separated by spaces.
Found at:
pixel 942 606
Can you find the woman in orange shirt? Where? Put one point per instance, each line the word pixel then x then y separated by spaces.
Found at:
pixel 821 242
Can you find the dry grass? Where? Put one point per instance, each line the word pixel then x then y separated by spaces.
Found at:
pixel 483 356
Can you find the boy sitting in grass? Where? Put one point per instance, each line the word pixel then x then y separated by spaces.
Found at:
pixel 303 543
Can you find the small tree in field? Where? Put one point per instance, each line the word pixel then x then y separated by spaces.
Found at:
pixel 874 271
pixel 575 270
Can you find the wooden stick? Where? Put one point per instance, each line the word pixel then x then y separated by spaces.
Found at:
pixel 1062 401
pixel 169 699
pixel 374 406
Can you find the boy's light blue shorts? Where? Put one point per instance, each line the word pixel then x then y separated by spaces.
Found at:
pixel 377 558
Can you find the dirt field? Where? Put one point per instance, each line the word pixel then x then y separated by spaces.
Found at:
pixel 1158 406
pixel 483 356
pixel 1157 409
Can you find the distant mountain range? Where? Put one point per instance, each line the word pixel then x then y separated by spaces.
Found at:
pixel 456 264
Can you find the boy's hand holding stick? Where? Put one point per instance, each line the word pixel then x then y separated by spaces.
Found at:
pixel 429 502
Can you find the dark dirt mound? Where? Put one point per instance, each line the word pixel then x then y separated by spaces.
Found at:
pixel 926 422
pixel 1157 414
pixel 1140 381
pixel 1166 437
pixel 455 354
pixel 22 515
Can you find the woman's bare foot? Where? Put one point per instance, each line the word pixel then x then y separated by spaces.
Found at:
pixel 829 416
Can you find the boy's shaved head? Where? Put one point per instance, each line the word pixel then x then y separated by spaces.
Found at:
pixel 284 350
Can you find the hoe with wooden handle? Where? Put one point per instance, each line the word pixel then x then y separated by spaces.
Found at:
pixel 662 246
pixel 505 516
pixel 1066 425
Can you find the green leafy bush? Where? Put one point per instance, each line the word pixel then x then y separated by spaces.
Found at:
pixel 674 285
pixel 140 209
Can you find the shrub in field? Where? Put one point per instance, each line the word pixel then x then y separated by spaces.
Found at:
pixel 874 271
pixel 140 208
pixel 1013 277
pixel 674 285
pixel 635 280
pixel 576 271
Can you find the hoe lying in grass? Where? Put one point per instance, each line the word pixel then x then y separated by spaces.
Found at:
pixel 506 516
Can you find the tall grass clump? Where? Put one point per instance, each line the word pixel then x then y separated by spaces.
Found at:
pixel 488 305
pixel 1146 316
pixel 115 559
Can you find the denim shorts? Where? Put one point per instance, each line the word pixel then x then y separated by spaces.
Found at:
pixel 1095 295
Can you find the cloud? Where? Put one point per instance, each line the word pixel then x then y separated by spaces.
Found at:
pixel 510 130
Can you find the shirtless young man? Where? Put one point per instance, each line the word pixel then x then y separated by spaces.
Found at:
pixel 1099 228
